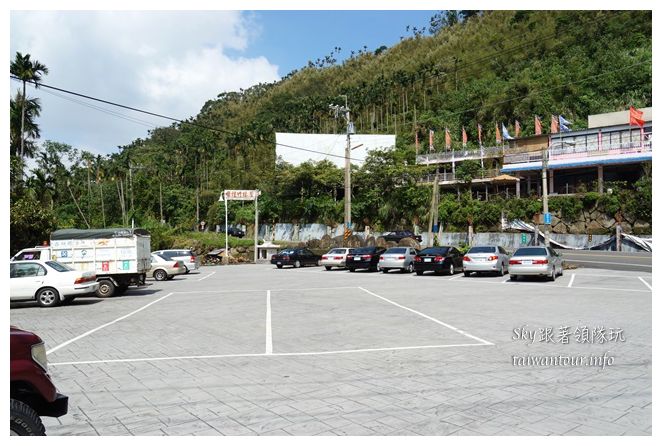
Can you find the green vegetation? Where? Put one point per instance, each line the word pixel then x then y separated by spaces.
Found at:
pixel 475 67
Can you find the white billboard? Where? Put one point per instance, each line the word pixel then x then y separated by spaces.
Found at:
pixel 331 146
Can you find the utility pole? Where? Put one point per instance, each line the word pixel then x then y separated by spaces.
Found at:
pixel 545 206
pixel 337 109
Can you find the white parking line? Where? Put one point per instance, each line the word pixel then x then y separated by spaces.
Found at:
pixel 456 277
pixel 610 263
pixel 208 275
pixel 269 347
pixel 428 317
pixel 572 279
pixel 505 280
pixel 646 283
pixel 253 355
pixel 87 333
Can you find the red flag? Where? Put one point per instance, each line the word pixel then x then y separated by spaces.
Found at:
pixel 464 137
pixel 554 127
pixel 517 129
pixel 448 139
pixel 636 117
pixel 417 143
pixel 498 133
pixel 480 135
pixel 431 140
pixel 538 125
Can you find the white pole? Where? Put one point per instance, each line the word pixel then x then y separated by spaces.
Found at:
pixel 256 229
pixel 227 251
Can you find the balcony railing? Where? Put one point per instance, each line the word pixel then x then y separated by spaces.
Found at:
pixel 450 177
pixel 459 155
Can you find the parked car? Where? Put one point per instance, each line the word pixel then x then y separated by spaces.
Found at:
pixel 48 282
pixel 165 268
pixel 439 259
pixel 535 261
pixel 401 258
pixel 188 257
pixel 32 394
pixel 296 257
pixel 336 257
pixel 364 258
pixel 486 259
pixel 396 236
pixel 234 232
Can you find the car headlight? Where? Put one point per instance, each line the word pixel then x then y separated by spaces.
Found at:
pixel 39 355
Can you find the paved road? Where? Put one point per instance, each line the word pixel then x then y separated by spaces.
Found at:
pixel 612 260
pixel 253 350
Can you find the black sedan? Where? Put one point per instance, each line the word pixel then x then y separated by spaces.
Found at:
pixel 296 257
pixel 364 258
pixel 396 236
pixel 440 259
pixel 234 232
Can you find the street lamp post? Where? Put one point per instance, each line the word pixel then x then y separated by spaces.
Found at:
pixel 545 205
pixel 337 109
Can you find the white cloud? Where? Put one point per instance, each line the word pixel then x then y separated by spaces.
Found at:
pixel 169 62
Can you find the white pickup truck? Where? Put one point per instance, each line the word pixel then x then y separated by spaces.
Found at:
pixel 119 256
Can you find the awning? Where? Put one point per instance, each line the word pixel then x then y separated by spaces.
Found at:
pixel 503 178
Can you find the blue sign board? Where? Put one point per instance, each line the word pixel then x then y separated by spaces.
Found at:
pixel 435 228
pixel 548 218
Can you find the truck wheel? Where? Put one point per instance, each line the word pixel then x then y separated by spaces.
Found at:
pixel 106 288
pixel 48 297
pixel 160 274
pixel 24 420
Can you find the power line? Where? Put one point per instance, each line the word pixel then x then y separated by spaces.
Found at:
pixel 181 121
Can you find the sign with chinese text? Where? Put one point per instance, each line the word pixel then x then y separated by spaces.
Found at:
pixel 247 195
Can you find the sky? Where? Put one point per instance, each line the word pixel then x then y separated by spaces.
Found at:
pixel 171 62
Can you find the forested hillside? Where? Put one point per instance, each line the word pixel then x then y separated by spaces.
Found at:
pixel 475 68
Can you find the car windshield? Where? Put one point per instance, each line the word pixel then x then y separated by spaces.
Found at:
pixel 287 251
pixel 481 249
pixel 366 250
pixel 337 251
pixel 59 267
pixel 438 251
pixel 531 252
pixel 396 251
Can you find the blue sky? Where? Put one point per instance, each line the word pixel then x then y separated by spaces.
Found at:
pixel 292 38
pixel 172 62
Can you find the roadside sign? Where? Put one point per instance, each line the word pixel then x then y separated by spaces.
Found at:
pixel 245 195
pixel 548 218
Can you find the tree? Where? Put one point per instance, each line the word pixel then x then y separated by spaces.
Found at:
pixel 26 114
pixel 27 71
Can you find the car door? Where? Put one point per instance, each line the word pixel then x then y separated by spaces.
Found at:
pixel 457 258
pixel 25 279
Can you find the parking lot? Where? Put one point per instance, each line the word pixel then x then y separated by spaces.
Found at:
pixel 255 350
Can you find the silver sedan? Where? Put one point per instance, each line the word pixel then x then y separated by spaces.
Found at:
pixel 535 261
pixel 486 259
pixel 335 257
pixel 400 257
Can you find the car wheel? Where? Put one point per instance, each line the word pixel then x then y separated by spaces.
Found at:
pixel 451 269
pixel 48 297
pixel 500 272
pixel 552 278
pixel 106 288
pixel 23 420
pixel 384 270
pixel 187 270
pixel 160 275
pixel 297 264
pixel 561 271
pixel 419 273
pixel 513 278
pixel 279 266
pixel 410 268
pixel 351 270
pixel 328 268
pixel 318 263
pixel 466 273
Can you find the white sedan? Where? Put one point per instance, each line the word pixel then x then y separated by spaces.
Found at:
pixel 48 282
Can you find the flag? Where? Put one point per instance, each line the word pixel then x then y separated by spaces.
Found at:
pixel 518 129
pixel 505 132
pixel 636 117
pixel 464 137
pixel 448 139
pixel 538 125
pixel 480 135
pixel 498 134
pixel 564 124
pixel 416 140
pixel 554 127
pixel 431 140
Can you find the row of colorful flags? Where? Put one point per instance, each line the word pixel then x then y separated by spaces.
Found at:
pixel 557 124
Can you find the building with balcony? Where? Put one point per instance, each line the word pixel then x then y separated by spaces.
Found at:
pixel 579 161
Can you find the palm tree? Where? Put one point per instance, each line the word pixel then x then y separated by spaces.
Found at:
pixel 27 71
pixel 31 129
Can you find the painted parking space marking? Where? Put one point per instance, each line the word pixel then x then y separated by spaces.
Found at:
pixel 645 283
pixel 572 279
pixel 207 276
pixel 437 321
pixel 89 332
pixel 269 346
